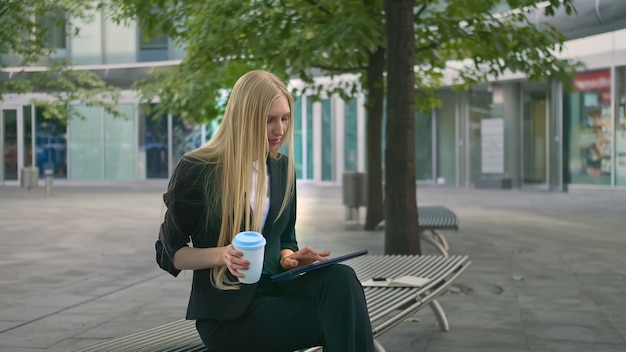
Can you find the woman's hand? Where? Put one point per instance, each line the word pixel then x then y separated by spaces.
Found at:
pixel 233 259
pixel 305 256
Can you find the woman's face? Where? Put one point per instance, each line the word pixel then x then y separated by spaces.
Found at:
pixel 277 122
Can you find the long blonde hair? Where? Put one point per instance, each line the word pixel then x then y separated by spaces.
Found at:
pixel 241 140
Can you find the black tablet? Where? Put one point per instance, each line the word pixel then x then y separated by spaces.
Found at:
pixel 290 274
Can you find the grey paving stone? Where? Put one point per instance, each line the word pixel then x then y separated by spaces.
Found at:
pixel 548 271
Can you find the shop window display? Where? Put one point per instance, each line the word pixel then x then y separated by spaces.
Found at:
pixel 620 133
pixel 588 115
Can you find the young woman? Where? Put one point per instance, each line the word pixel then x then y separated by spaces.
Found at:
pixel 240 181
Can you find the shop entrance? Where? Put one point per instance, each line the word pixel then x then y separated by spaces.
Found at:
pixel 535 132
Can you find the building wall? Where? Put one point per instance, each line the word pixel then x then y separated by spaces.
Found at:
pixel 543 141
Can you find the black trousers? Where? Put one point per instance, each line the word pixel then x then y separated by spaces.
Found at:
pixel 323 307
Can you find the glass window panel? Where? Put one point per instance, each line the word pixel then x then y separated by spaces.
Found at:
pixel 350 137
pixel 152 47
pixel 587 114
pixel 297 136
pixel 480 109
pixel 620 133
pixel 423 146
pixel 87 48
pixel 153 145
pixel 186 137
pixel 86 154
pixel 50 145
pixel 327 142
pixel 28 135
pixel 309 138
pixel 54 27
pixel 119 142
pixel 446 139
pixel 9 146
pixel 120 43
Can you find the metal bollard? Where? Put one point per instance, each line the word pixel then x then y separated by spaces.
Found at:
pixel 48 174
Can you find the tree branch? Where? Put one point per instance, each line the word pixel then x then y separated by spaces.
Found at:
pixel 4 10
pixel 339 69
pixel 319 7
pixel 427 47
pixel 420 11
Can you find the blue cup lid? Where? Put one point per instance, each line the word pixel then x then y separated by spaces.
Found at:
pixel 249 240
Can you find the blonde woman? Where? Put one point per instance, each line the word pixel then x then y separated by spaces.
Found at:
pixel 240 181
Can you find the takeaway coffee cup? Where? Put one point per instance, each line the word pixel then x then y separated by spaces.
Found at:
pixel 252 244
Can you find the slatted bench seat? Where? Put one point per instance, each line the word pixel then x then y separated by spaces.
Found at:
pixel 431 221
pixel 387 306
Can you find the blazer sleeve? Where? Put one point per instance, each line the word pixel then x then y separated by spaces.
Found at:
pixel 288 236
pixel 183 200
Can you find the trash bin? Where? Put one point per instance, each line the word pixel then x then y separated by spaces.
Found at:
pixel 354 192
pixel 354 189
pixel 29 177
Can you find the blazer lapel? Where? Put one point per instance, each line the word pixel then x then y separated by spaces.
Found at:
pixel 276 185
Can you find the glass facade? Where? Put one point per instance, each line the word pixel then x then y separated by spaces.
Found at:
pixel 119 145
pixel 351 146
pixel 534 136
pixel 8 142
pixel 153 145
pixel 28 135
pixel 533 133
pixel 447 139
pixel 309 139
pixel 297 136
pixel 620 127
pixel 485 157
pixel 423 146
pixel 588 124
pixel 327 141
pixel 86 152
pixel 50 146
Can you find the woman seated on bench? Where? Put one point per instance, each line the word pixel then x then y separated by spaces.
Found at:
pixel 221 189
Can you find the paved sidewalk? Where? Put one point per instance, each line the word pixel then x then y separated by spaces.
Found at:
pixel 548 270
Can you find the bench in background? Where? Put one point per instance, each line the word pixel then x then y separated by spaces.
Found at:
pixel 431 221
pixel 387 306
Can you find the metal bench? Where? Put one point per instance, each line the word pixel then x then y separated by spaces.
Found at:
pixel 388 306
pixel 430 221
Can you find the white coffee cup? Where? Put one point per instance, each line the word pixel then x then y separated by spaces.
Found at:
pixel 252 244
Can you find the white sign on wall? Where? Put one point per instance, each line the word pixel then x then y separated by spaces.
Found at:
pixel 492 145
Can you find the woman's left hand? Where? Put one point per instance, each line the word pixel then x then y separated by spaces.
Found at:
pixel 304 256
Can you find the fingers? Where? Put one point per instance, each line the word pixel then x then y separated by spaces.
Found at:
pixel 234 261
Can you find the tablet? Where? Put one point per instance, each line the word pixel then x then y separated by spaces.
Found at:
pixel 293 273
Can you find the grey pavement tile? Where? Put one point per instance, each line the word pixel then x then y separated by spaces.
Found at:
pixel 480 336
pixel 591 326
pixel 573 346
pixel 554 297
pixel 547 269
pixel 607 296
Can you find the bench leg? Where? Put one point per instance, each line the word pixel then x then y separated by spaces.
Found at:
pixel 440 314
pixel 439 236
pixel 432 240
pixel 378 347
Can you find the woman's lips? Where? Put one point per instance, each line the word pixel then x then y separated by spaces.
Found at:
pixel 274 141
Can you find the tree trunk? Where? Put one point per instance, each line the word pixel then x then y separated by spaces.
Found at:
pixel 375 97
pixel 401 236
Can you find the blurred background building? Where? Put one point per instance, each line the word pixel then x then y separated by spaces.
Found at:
pixel 509 133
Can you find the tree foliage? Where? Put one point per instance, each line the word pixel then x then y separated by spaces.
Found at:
pixel 224 39
pixel 25 31
pixel 299 38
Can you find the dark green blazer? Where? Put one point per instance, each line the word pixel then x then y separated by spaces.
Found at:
pixel 188 219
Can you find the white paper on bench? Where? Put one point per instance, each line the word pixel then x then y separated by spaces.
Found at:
pixel 403 281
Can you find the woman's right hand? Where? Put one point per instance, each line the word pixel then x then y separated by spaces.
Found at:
pixel 233 259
